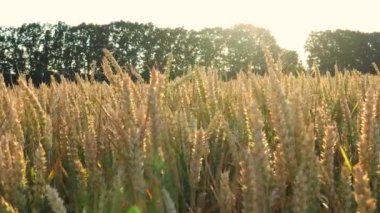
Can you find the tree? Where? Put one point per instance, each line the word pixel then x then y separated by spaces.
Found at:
pixel 42 50
pixel 290 62
pixel 31 40
pixel 245 48
pixel 211 44
pixel 346 49
pixel 374 46
pixel 57 57
pixel 15 57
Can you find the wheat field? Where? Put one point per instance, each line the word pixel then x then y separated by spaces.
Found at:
pixel 271 143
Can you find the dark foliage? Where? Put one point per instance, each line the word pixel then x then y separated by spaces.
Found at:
pixel 346 49
pixel 41 51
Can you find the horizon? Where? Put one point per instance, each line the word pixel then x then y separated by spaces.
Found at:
pixel 290 22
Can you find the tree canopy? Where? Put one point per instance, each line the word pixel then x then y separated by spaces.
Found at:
pixel 346 49
pixel 39 50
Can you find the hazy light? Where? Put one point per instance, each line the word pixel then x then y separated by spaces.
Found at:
pixel 290 21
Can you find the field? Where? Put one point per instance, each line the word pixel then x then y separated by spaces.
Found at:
pixel 272 143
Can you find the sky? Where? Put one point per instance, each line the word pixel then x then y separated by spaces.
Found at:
pixel 290 21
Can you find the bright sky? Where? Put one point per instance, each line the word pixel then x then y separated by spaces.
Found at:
pixel 290 21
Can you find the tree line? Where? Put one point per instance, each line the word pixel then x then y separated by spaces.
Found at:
pixel 345 49
pixel 40 50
